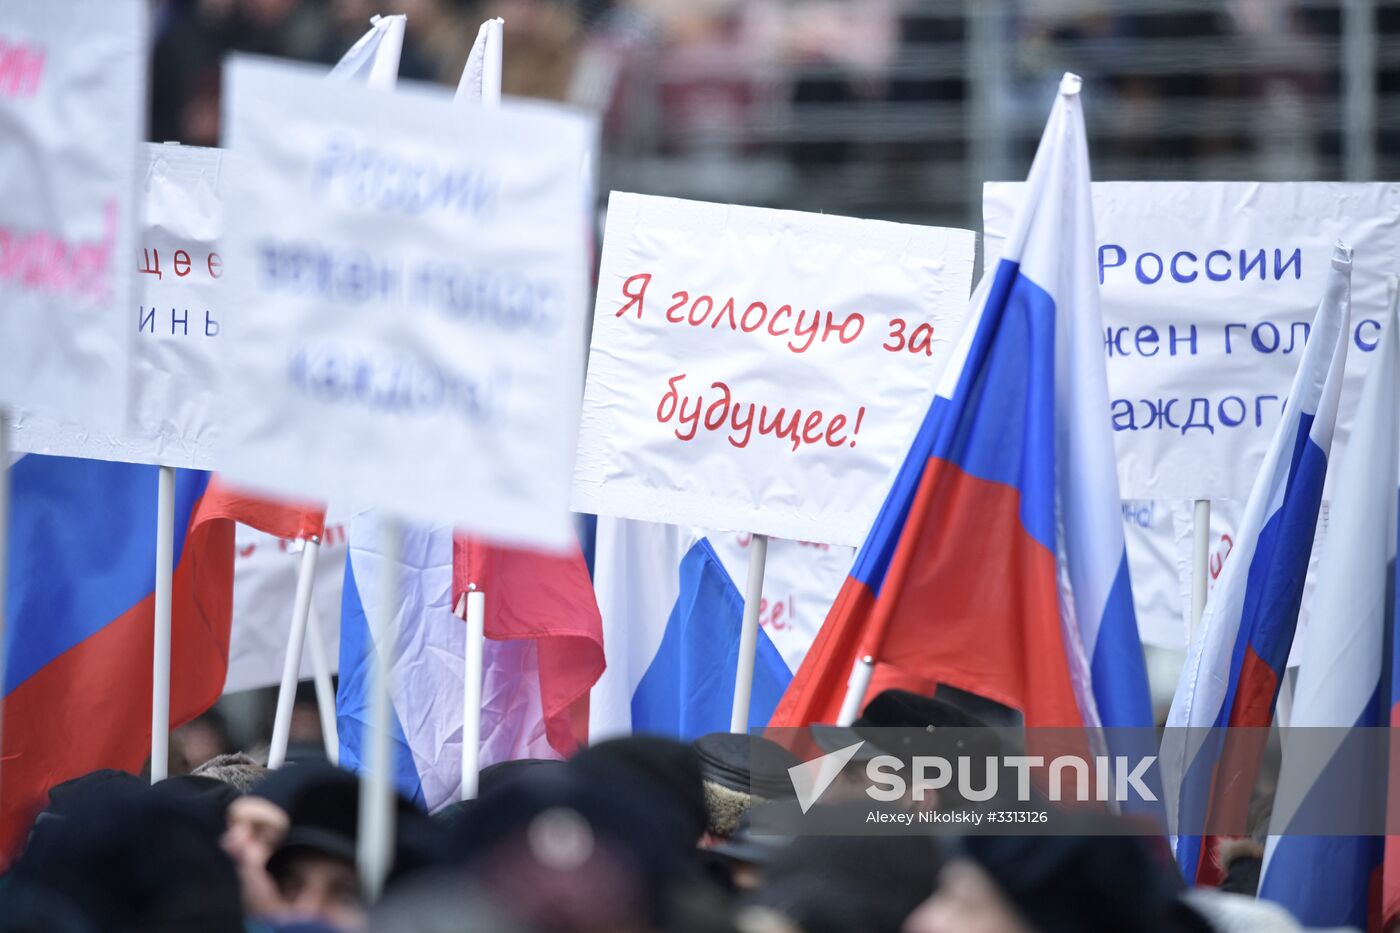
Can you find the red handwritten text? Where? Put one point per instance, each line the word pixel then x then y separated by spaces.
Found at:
pixel 740 421
pixel 43 262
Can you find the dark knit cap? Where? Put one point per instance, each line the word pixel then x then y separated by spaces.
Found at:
pixel 921 717
pixel 504 772
pixel 145 862
pixel 323 810
pixel 205 797
pixel 669 769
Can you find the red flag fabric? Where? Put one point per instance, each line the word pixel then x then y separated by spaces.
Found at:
pixel 272 516
pixel 548 598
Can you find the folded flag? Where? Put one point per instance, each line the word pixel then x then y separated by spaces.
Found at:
pixel 541 614
pixel 374 59
pixel 671 621
pixel 543 652
pixel 276 517
pixel 1342 654
pixel 1237 654
pixel 997 563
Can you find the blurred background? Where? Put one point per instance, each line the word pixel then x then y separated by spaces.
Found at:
pixel 895 109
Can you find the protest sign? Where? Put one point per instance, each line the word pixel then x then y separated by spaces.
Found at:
pixel 72 116
pixel 410 331
pixel 178 314
pixel 760 370
pixel 1208 292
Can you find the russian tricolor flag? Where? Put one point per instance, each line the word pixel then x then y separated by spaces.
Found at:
pixel 671 622
pixel 543 652
pixel 997 564
pixel 1238 652
pixel 1333 881
pixel 80 603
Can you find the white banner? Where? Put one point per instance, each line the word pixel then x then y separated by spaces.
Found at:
pixel 759 370
pixel 178 314
pixel 72 116
pixel 414 277
pixel 1160 536
pixel 1150 535
pixel 1208 291
pixel 264 586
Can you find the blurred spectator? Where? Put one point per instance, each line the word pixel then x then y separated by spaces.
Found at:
pixel 204 737
pixel 739 771
pixel 836 883
pixel 1090 880
pixel 664 769
pixel 145 863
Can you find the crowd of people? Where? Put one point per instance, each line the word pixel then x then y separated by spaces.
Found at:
pixel 641 833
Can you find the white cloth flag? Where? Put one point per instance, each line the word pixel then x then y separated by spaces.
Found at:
pixel 374 60
pixel 483 64
pixel 264 586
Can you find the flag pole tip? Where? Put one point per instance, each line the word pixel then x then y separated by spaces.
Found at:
pixel 1071 83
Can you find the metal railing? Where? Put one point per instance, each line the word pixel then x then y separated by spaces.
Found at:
pixel 1318 98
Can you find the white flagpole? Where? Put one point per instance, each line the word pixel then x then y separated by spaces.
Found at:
pixel 471 608
pixel 325 692
pixel 374 851
pixel 160 667
pixel 1200 563
pixel 856 688
pixel 491 63
pixel 748 636
pixel 491 36
pixel 291 660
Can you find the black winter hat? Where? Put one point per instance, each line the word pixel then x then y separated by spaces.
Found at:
pixel 323 810
pixel 148 863
pixel 669 769
pixel 921 718
pixel 207 798
pixel 749 764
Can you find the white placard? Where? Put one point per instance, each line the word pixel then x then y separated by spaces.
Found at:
pixel 1207 290
pixel 759 370
pixel 265 571
pixel 179 315
pixel 413 273
pixel 72 116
